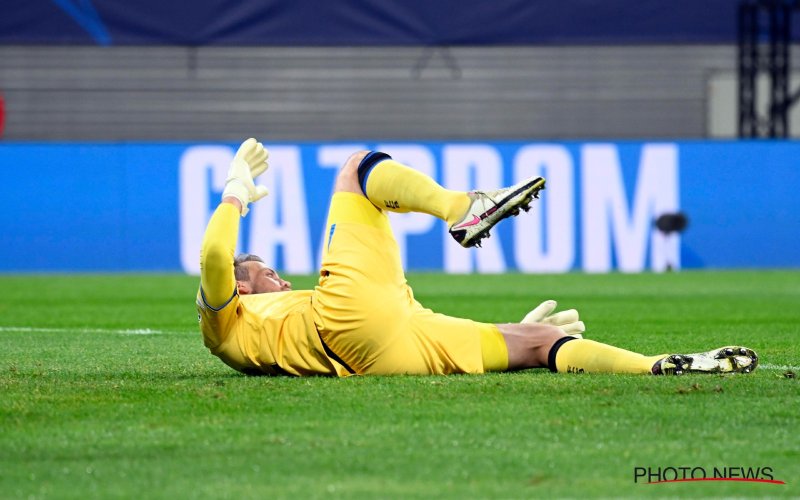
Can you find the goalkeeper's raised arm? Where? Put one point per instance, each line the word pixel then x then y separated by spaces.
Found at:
pixel 217 277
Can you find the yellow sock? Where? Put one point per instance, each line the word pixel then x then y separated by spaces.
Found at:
pixel 588 356
pixel 395 187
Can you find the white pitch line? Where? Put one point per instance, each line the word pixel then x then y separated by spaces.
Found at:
pixel 770 366
pixel 136 331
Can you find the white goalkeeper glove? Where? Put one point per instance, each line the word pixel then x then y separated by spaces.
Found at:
pixel 566 321
pixel 250 162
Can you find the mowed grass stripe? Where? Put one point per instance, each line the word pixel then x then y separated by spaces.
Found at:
pixel 148 331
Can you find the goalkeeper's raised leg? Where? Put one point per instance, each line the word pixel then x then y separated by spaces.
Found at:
pixel 470 216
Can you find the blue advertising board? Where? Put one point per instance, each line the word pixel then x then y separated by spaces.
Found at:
pixel 143 207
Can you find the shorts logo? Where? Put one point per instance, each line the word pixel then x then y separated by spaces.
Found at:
pixel 391 204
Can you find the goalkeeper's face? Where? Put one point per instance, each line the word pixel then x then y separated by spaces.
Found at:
pixel 262 280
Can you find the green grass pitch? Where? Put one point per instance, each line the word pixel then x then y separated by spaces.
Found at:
pixel 106 391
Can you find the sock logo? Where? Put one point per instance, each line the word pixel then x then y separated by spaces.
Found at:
pixel 391 204
pixel 574 369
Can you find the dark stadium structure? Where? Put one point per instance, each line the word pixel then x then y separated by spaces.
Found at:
pixel 765 38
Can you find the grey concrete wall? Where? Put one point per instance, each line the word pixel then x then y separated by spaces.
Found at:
pixel 175 93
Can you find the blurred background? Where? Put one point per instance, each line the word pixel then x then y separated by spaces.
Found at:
pixel 117 121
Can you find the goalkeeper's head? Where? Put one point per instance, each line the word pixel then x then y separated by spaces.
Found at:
pixel 253 276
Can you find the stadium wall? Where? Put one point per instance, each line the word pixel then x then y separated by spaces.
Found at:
pixel 144 206
pixel 369 93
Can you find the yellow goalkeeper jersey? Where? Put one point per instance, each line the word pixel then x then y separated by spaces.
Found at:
pixel 267 333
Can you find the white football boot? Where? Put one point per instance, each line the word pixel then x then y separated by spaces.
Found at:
pixel 731 359
pixel 490 207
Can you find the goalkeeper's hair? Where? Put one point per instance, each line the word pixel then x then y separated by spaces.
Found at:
pixel 241 272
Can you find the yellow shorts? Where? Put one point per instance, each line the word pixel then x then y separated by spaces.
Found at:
pixel 365 311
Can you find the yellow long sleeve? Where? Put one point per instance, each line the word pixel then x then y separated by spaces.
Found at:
pixel 216 255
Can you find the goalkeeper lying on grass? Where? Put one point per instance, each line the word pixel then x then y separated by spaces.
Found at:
pixel 362 317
